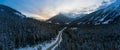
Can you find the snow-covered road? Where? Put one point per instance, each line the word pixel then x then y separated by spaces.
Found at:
pixel 47 46
pixel 57 41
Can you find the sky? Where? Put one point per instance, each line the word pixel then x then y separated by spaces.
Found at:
pixel 45 9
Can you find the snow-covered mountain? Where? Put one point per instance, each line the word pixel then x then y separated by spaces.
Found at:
pixel 102 16
pixel 16 30
pixel 60 19
pixel 10 11
pixel 96 35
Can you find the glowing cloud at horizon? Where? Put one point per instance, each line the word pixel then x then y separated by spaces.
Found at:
pixel 45 9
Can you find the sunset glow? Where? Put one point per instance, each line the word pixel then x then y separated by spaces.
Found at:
pixel 45 9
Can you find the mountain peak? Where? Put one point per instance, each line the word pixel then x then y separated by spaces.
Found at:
pixel 10 11
pixel 102 16
pixel 60 19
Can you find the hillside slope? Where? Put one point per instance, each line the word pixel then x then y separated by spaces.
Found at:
pixel 102 16
pixel 94 37
pixel 16 30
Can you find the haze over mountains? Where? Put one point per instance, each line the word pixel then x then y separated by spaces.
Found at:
pixel 87 35
pixel 45 9
pixel 80 15
pixel 103 16
pixel 95 31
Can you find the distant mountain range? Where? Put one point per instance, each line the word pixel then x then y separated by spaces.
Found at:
pixel 103 16
pixel 96 31
pixel 16 30
pixel 60 19
pixel 99 30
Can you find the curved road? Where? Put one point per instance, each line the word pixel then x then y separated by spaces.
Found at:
pixel 48 46
pixel 57 41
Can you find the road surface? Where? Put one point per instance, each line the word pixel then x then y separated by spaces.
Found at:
pixel 57 41
pixel 47 46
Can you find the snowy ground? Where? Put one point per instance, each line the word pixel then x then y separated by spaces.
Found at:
pixel 45 46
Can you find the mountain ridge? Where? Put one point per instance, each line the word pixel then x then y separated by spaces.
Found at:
pixel 16 30
pixel 102 16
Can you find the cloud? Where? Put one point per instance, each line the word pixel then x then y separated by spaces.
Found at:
pixel 47 8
